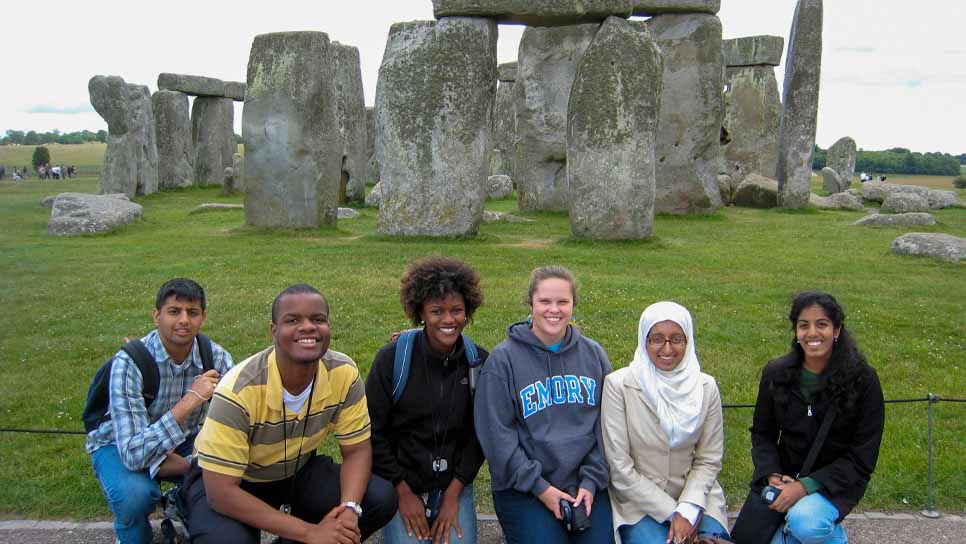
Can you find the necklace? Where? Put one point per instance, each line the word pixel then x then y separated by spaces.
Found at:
pixel 438 463
pixel 286 507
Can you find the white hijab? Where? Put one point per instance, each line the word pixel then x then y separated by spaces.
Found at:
pixel 676 395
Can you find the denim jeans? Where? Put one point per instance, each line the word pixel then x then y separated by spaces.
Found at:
pixel 131 496
pixel 395 532
pixel 649 531
pixel 811 521
pixel 526 520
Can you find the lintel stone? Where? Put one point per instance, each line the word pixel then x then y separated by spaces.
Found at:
pixel 202 86
pixel 658 7
pixel 534 12
pixel 753 51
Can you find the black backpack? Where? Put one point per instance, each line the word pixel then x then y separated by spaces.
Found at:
pixel 95 410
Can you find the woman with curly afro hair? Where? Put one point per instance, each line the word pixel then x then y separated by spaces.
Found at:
pixel 424 442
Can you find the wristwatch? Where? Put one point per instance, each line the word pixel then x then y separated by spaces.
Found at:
pixel 352 505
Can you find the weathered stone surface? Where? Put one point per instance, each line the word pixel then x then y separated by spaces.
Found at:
pixel 534 12
pixel 939 246
pixel 841 158
pixel 753 114
pixel 228 181
pixel 201 86
pixel 80 213
pixel 546 65
pixel 611 131
pixel 692 112
pixel 347 213
pixel 372 165
pixel 374 198
pixel 498 186
pixel 855 192
pixel 131 160
pixel 796 139
pixel 937 199
pixel 238 165
pixel 292 143
pixel 657 7
pixel 727 186
pixel 208 207
pixel 504 130
pixel 896 220
pixel 507 71
pixel 753 51
pixel 757 191
pixel 48 201
pixel 434 108
pixel 175 147
pixel 836 201
pixel 904 203
pixel 831 181
pixel 213 135
pixel 351 113
pixel 497 217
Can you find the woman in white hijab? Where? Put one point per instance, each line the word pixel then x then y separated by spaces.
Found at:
pixel 663 436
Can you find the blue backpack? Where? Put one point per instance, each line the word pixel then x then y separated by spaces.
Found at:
pixel 404 357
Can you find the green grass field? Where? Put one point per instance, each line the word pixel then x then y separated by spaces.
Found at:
pixel 70 302
pixel 86 157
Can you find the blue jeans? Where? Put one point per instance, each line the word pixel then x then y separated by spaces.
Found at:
pixel 131 496
pixel 649 531
pixel 526 520
pixel 811 521
pixel 395 532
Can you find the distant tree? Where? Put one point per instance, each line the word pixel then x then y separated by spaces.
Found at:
pixel 41 156
pixel 32 138
pixel 819 158
pixel 961 157
pixel 102 136
pixel 898 150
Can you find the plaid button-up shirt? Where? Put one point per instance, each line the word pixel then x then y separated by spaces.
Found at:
pixel 144 435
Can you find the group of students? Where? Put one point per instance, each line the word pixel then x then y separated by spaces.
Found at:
pixel 634 453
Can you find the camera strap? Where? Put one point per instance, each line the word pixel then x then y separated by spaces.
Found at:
pixel 286 508
pixel 817 444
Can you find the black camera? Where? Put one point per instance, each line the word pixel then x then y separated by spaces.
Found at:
pixel 770 493
pixel 574 518
pixel 433 502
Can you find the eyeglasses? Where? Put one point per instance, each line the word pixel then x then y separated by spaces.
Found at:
pixel 658 340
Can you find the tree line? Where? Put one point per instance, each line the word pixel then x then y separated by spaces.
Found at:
pixel 899 160
pixel 19 137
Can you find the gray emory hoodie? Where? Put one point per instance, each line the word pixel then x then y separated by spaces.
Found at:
pixel 537 413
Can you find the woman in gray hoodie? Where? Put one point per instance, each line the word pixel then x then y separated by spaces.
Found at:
pixel 537 413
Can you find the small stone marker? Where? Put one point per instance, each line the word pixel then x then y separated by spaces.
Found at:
pixel 757 191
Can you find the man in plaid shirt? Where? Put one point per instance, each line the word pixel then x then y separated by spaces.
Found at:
pixel 138 444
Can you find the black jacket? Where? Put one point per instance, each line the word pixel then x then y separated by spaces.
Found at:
pixel 402 435
pixel 782 432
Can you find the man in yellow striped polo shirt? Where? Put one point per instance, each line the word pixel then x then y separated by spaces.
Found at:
pixel 257 450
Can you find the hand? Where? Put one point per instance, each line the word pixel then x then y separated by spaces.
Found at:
pixel 350 519
pixel 448 517
pixel 413 512
pixel 173 465
pixel 680 529
pixel 585 497
pixel 333 530
pixel 551 499
pixel 203 388
pixel 790 494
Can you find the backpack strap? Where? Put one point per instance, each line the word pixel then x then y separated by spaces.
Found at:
pixel 819 441
pixel 150 375
pixel 401 362
pixel 473 359
pixel 207 357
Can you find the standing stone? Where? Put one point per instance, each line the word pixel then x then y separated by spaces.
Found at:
pixel 692 112
pixel 131 160
pixel 213 134
pixel 175 148
pixel 753 109
pixel 238 167
pixel 292 143
pixel 546 66
pixel 796 140
pixel 841 158
pixel 372 166
pixel 351 113
pixel 434 114
pixel 504 121
pixel 831 181
pixel 611 130
pixel 228 182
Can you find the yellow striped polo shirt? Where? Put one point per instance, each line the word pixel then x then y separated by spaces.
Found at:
pixel 243 435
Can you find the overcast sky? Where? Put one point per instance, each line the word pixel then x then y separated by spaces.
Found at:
pixel 893 72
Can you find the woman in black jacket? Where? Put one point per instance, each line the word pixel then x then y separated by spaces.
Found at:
pixel 824 375
pixel 424 441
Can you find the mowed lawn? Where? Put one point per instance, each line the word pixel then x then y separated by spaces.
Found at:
pixel 86 157
pixel 69 302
